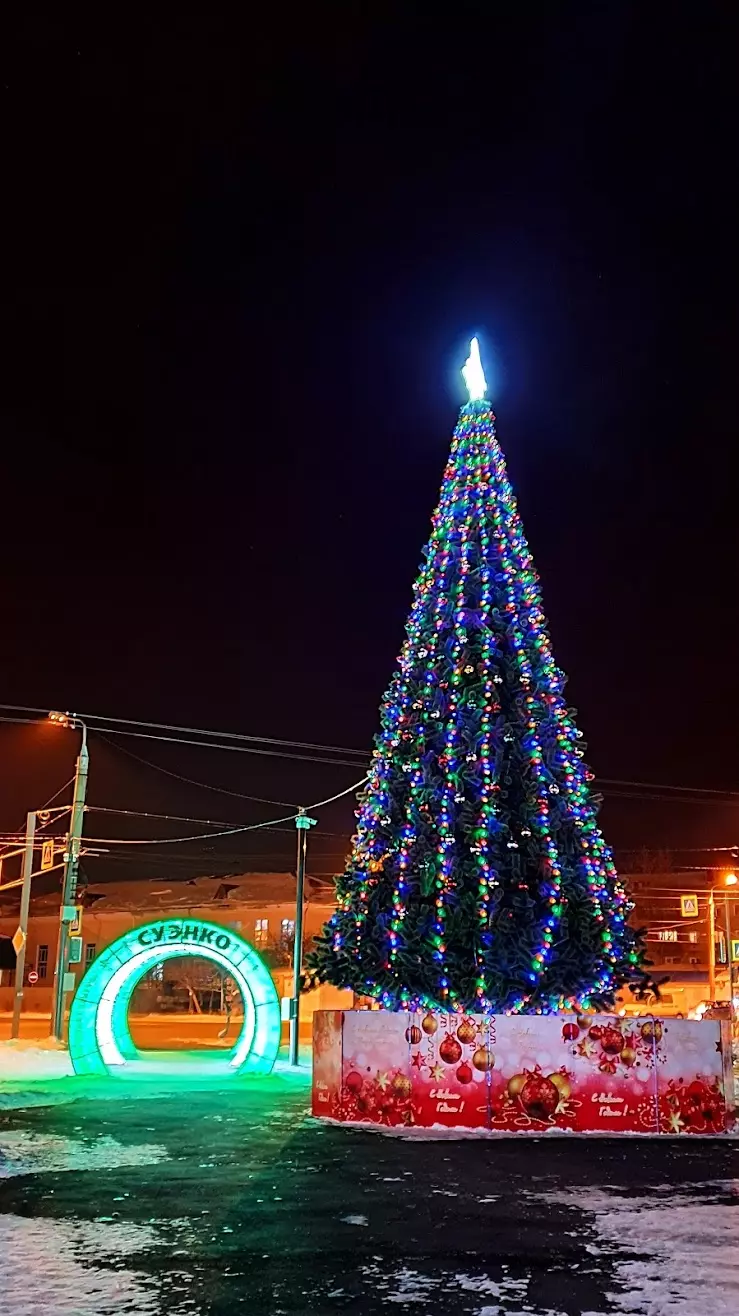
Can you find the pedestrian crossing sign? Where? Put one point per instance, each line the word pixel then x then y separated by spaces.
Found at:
pixel 689 906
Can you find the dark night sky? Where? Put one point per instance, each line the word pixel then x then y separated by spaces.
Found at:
pixel 241 266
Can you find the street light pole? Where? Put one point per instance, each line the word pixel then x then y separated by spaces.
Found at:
pixel 20 958
pixel 729 879
pixel 303 824
pixel 71 872
pixel 711 947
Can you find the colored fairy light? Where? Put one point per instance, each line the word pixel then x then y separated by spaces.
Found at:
pixel 478 876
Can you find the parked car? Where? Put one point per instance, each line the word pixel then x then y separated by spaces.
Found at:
pixel 711 1010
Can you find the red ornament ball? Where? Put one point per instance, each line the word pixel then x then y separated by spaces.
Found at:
pixel 413 1035
pixel 464 1073
pixel 570 1032
pixel 450 1050
pixel 466 1031
pixel 429 1025
pixel 539 1097
pixel 353 1081
pixel 612 1041
pixel 596 1032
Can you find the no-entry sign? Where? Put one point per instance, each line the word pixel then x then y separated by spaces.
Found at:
pixel 33 977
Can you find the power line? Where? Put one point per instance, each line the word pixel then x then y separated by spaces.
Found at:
pixel 194 731
pixel 207 836
pixel 243 738
pixel 240 749
pixel 204 785
pixel 210 822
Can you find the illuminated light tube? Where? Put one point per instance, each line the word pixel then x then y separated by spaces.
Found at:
pixel 100 1040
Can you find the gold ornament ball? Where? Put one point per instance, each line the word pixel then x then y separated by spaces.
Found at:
pixel 401 1085
pixel 429 1025
pixel 628 1056
pixel 651 1031
pixel 466 1031
pixel 515 1084
pixel 562 1084
pixel 483 1059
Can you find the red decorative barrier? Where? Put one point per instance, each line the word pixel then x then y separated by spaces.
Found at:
pixel 523 1074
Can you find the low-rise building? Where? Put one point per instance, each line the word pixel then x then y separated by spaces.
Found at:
pixel 259 906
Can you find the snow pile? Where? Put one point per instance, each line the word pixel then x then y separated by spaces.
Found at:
pixel 33 1059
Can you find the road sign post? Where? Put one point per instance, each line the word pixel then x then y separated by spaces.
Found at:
pixel 22 932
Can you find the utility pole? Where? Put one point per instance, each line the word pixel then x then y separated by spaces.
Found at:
pixel 71 872
pixel 303 824
pixel 20 958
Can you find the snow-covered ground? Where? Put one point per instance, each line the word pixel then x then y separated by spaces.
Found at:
pixel 33 1060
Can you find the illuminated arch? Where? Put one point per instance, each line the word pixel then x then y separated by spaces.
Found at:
pixel 100 1041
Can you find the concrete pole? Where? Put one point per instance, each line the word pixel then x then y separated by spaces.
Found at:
pixel 69 885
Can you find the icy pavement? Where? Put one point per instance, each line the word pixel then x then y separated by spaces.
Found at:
pixel 208 1202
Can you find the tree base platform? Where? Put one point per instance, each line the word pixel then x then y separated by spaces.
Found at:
pixel 523 1073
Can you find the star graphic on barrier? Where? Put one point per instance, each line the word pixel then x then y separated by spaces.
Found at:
pixel 586 1048
pixel 676 1124
pixel 437 1073
pixel 417 1060
pixel 382 1080
pixel 719 1047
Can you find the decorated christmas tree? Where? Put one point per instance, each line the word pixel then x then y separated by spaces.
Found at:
pixel 478 877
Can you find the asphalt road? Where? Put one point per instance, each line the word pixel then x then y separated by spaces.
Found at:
pixel 157 1032
pixel 130 1199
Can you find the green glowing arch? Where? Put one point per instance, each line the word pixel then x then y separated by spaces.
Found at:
pixel 100 1041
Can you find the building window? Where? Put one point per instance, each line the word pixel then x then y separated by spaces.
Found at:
pixel 90 949
pixel 693 936
pixel 667 934
pixel 287 928
pixel 671 959
pixel 42 961
pixel 694 960
pixel 261 931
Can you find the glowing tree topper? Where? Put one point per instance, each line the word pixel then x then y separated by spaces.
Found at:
pixel 478 877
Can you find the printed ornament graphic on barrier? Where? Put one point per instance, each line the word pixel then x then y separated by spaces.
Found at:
pixel 526 1074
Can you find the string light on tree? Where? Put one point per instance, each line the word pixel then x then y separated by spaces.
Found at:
pixel 478 877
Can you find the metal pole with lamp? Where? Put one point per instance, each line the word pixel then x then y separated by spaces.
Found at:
pixel 71 872
pixel 303 824
pixel 730 879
